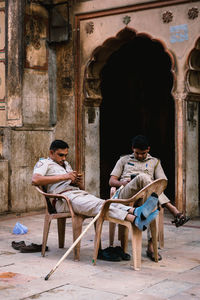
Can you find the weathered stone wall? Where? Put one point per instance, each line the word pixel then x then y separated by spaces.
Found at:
pixel 35 90
pixel 2 65
pixel 4 178
pixel 36 105
pixel 192 156
pixel 65 128
pixel 48 108
pixel 26 148
pixel 15 39
pixel 41 87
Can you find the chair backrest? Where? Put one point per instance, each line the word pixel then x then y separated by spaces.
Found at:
pixel 49 206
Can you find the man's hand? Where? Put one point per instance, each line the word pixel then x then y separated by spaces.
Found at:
pixel 124 182
pixel 114 181
pixel 79 181
pixel 70 176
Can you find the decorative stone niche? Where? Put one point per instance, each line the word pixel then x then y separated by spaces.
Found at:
pixel 193 73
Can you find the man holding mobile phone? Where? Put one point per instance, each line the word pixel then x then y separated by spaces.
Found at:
pixel 135 171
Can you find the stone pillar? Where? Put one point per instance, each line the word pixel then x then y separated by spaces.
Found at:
pixel 192 158
pixel 14 61
pixel 187 157
pixel 180 150
pixel 92 150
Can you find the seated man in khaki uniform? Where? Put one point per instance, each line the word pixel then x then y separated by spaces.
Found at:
pixel 135 171
pixel 57 175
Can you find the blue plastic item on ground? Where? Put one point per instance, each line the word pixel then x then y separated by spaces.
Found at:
pixel 20 229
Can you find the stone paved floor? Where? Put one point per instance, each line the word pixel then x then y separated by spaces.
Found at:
pixel 176 277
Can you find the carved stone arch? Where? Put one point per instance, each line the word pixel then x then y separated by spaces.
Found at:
pixel 99 57
pixel 192 121
pixel 193 73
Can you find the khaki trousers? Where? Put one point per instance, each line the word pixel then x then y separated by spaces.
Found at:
pixel 136 185
pixel 89 205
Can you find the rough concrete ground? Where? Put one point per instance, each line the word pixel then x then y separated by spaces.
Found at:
pixel 176 277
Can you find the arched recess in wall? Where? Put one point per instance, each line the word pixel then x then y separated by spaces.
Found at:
pixel 193 93
pixel 99 57
pixel 123 78
pixel 193 72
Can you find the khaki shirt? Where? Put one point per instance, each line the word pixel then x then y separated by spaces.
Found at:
pixel 128 165
pixel 48 167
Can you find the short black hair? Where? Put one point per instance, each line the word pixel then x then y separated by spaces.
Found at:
pixel 58 144
pixel 140 142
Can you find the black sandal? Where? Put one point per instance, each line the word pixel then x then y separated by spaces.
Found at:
pixel 151 255
pixel 180 220
pixel 22 247
pixel 32 248
pixel 18 245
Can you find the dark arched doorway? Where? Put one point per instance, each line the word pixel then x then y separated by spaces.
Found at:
pixel 136 84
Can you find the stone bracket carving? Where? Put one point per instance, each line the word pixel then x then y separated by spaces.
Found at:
pixel 92 92
pixel 186 96
pixel 180 95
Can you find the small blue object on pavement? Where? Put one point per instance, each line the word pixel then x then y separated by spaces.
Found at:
pixel 20 229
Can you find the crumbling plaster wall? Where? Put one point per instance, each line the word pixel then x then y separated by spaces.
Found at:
pixel 29 141
pixel 35 88
pixel 26 148
pixel 48 88
pixel 4 185
pixel 48 110
pixel 65 128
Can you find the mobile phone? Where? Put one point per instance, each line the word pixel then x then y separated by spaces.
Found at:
pixel 133 176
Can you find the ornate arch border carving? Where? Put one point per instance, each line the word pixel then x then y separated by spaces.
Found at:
pixel 193 73
pixel 92 96
pixel 99 57
pixel 186 97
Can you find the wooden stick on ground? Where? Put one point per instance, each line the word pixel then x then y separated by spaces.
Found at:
pixel 72 246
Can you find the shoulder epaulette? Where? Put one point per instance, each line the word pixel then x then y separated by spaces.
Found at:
pixel 156 164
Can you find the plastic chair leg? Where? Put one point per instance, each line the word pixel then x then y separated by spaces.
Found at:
pixel 112 227
pixel 61 222
pixel 123 230
pixel 99 226
pixel 136 238
pixel 77 224
pixel 47 223
pixel 161 228
pixel 154 239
